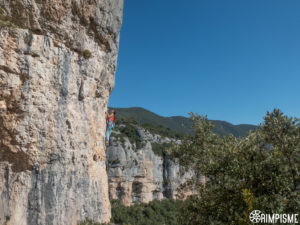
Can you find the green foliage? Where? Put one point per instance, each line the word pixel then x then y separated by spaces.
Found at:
pixel 86 54
pixel 160 130
pixel 156 212
pixel 160 149
pixel 112 162
pixel 128 128
pixel 120 120
pixel 8 22
pixel 131 132
pixel 88 221
pixel 258 172
pixel 249 200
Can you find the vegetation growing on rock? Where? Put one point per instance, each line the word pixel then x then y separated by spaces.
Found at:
pixel 86 54
pixel 7 22
pixel 88 221
pixel 161 149
pixel 128 128
pixel 154 129
pixel 131 132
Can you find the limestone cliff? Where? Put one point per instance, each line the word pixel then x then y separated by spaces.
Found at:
pixel 57 67
pixel 139 171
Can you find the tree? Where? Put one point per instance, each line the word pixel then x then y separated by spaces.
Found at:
pixel 261 171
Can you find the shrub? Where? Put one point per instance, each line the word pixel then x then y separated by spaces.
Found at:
pixel 86 54
pixel 131 132
pixel 155 212
pixel 160 149
pixel 88 221
pixel 7 22
pixel 112 162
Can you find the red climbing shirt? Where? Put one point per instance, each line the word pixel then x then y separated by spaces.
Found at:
pixel 112 119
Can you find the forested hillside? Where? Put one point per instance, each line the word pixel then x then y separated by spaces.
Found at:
pixel 181 124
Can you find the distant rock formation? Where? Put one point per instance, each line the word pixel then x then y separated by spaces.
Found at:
pixel 142 173
pixel 57 70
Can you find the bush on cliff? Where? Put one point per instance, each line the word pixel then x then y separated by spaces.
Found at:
pixel 161 149
pixel 8 22
pixel 86 54
pixel 88 221
pixel 131 132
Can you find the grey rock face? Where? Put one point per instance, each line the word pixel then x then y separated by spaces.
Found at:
pixel 139 175
pixel 57 67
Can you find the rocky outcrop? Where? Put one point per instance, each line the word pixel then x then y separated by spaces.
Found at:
pixel 140 173
pixel 57 67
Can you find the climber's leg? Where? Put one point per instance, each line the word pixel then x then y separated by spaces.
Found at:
pixel 107 134
pixel 108 131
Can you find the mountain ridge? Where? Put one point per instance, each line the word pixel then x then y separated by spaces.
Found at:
pixel 180 124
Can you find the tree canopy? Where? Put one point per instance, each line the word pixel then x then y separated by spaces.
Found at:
pixel 258 172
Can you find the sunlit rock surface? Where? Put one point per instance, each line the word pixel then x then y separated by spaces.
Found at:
pixel 57 67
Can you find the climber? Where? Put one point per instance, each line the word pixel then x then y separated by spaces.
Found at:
pixel 110 117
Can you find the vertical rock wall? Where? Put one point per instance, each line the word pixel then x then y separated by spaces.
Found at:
pixel 57 66
pixel 140 175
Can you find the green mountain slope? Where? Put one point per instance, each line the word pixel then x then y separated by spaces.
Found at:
pixel 180 124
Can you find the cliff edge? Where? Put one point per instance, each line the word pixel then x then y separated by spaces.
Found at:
pixel 57 69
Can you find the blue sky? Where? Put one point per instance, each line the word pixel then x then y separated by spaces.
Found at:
pixel 232 60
